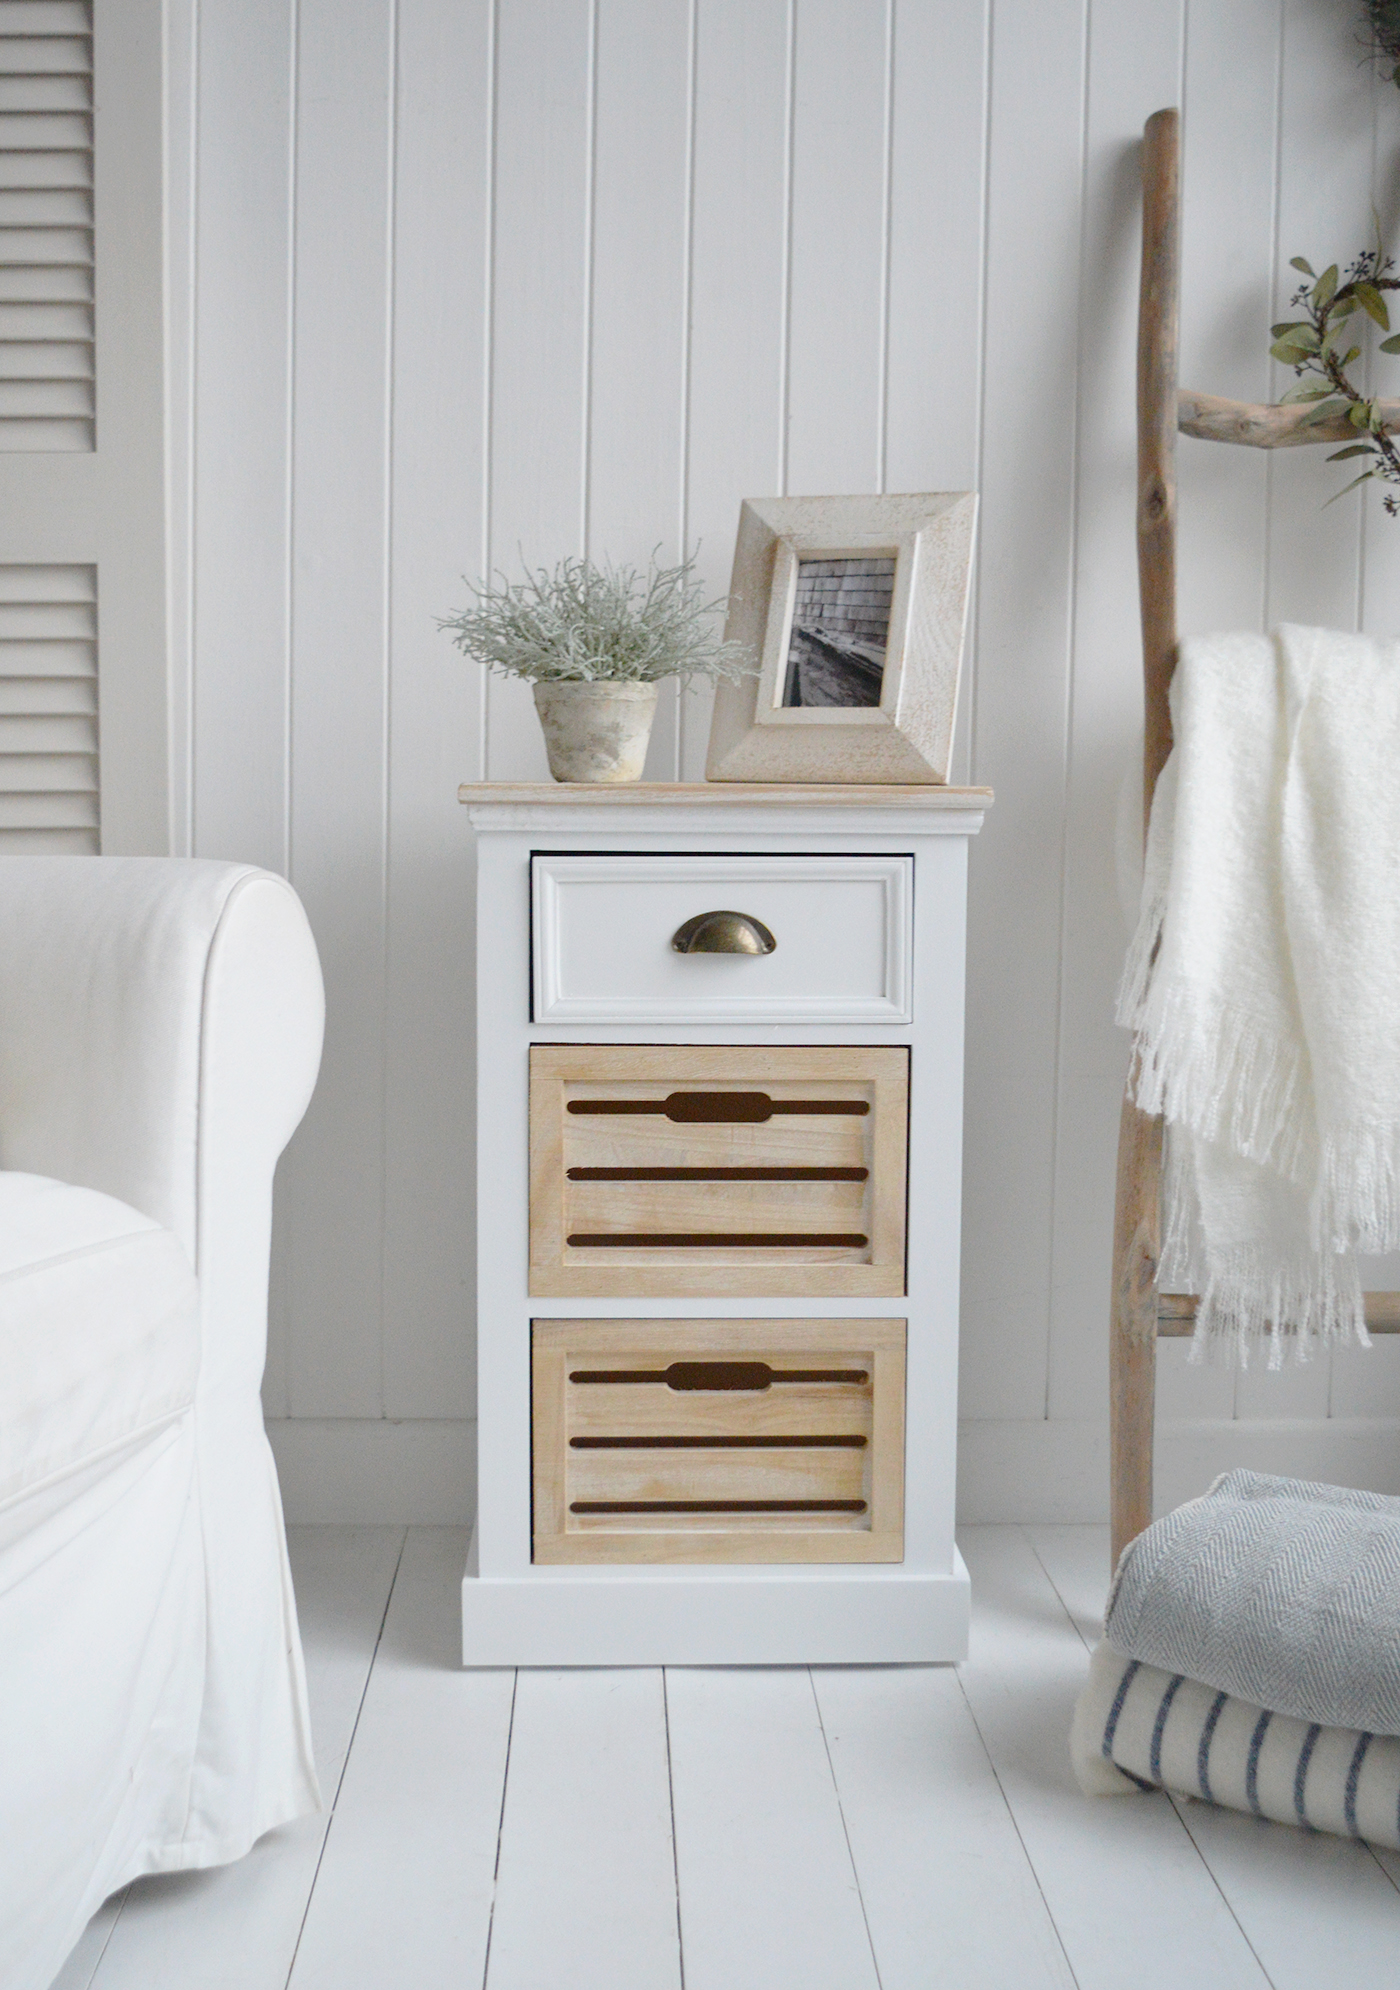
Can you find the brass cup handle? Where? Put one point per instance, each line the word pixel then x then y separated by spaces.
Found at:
pixel 723 933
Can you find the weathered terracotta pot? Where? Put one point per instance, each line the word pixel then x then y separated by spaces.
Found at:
pixel 597 731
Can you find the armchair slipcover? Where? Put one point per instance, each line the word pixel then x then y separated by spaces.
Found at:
pixel 160 1031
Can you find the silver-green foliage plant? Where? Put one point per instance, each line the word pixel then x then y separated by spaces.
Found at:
pixel 591 624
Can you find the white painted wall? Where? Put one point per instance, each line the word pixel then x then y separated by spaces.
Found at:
pixel 562 275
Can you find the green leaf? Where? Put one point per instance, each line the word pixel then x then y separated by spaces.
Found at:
pixel 1325 289
pixel 1373 304
pixel 1289 325
pixel 1349 487
pixel 1343 304
pixel 1308 389
pixel 1303 337
pixel 1330 409
pixel 1352 449
pixel 1390 345
pixel 1290 352
pixel 1355 353
pixel 1358 414
pixel 1301 263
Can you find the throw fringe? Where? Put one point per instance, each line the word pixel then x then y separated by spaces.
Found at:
pixel 1251 1302
pixel 1358 1198
pixel 1216 1069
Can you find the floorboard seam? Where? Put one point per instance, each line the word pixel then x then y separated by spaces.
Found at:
pixel 675 1849
pixel 500 1831
pixel 1383 1866
pixel 1015 1822
pixel 349 1750
pixel 1176 1804
pixel 1059 1598
pixel 845 1828
pixel 1172 1799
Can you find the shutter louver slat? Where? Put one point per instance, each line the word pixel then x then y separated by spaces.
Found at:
pixel 46 243
pixel 49 768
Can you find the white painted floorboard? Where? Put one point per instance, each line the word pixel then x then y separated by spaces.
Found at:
pixel 950 1896
pixel 769 1897
pixel 403 1895
pixel 862 1828
pixel 586 1888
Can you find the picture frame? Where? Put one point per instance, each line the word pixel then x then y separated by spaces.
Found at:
pixel 854 613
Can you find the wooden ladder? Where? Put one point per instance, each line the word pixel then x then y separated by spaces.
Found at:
pixel 1140 1311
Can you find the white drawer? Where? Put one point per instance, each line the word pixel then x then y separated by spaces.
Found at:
pixel 603 928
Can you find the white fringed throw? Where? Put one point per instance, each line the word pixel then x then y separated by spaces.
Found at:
pixel 1263 983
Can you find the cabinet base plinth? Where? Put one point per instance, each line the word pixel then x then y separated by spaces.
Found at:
pixel 760 1617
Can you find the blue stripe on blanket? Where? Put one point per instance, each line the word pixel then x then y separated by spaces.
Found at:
pixel 1353 1780
pixel 1203 1751
pixel 1130 1673
pixel 1300 1774
pixel 1155 1758
pixel 1251 1771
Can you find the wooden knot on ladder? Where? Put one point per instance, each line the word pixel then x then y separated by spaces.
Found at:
pixel 1154 503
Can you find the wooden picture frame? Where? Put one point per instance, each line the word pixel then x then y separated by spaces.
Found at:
pixel 863 686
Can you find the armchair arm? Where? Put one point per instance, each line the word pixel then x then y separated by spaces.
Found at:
pixel 146 1005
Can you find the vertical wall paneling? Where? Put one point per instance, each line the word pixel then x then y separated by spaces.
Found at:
pixel 837 280
pixel 1371 1387
pixel 738 232
pixel 1229 263
pixel 540 315
pixel 335 1171
pixel 484 280
pixel 242 578
pixel 1314 573
pixel 933 337
pixel 637 347
pixel 1134 67
pixel 1025 564
pixel 442 155
pixel 934 330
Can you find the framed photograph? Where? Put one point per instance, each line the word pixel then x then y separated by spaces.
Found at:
pixel 853 610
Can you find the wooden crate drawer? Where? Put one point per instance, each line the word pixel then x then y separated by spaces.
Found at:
pixel 718 1440
pixel 603 927
pixel 724 1169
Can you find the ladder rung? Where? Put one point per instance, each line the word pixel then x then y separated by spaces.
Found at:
pixel 1176 1313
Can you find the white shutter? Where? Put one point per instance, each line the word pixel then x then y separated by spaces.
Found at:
pixel 46 244
pixel 84 616
pixel 48 710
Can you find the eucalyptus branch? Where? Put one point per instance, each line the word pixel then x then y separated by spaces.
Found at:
pixel 1316 347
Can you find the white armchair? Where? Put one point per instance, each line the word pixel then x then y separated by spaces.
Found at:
pixel 160 1031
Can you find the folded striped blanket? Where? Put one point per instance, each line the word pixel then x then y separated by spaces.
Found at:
pixel 1137 1727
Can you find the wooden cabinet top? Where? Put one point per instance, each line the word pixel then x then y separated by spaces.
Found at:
pixel 718 795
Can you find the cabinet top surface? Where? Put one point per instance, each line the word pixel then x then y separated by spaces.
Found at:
pixel 717 794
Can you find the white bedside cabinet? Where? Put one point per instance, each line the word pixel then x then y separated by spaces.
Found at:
pixel 718 1200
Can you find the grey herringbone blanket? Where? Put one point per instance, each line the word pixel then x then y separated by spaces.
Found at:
pixel 1275 1591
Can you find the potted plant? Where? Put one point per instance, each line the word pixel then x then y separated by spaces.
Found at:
pixel 593 641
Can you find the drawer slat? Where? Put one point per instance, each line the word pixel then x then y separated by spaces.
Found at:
pixel 629 1198
pixel 629 1466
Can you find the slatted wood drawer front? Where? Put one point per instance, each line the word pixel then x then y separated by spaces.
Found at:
pixel 670 1169
pixel 718 1440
